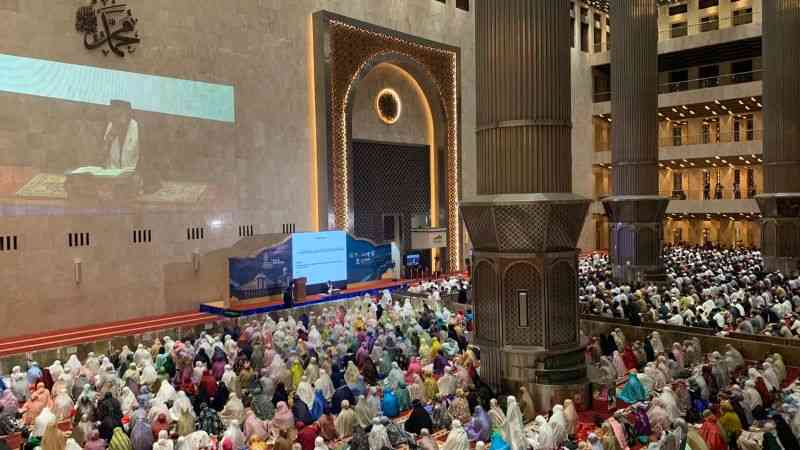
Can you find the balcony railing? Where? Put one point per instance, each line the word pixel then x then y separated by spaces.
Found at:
pixel 742 193
pixel 709 82
pixel 712 24
pixel 697 83
pixel 711 137
pixel 711 194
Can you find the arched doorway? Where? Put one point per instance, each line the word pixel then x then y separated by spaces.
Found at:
pixel 396 149
pixel 345 52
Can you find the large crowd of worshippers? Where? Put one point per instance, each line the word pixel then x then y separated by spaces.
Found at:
pixel 376 374
pixel 336 379
pixel 675 397
pixel 722 289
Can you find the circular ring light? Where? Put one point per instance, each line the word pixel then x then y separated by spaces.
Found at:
pixel 388 106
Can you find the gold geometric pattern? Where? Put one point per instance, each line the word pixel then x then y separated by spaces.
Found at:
pixel 352 48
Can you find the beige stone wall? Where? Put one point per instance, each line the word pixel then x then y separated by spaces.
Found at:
pixel 410 128
pixel 258 171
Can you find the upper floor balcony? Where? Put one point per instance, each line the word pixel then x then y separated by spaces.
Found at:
pixel 749 80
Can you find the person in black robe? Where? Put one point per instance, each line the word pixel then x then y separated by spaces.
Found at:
pixel 785 434
pixel 484 391
pixel 280 395
pixel 649 352
pixel 418 419
pixel 341 394
pixel 337 375
pixel 462 295
pixel 221 397
pixel 109 407
pixel 301 412
pixel 369 372
pixel 740 412
pixel 304 319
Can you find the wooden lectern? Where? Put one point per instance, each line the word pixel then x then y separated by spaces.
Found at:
pixel 300 289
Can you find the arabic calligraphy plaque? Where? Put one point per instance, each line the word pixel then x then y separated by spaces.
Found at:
pixel 109 26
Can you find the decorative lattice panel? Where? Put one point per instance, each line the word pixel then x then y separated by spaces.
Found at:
pixel 566 223
pixel 353 47
pixel 562 304
pixel 480 224
pixel 521 227
pixel 378 190
pixel 487 307
pixel 522 276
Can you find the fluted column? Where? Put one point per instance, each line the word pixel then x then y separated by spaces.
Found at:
pixel 780 203
pixel 635 210
pixel 525 222
pixel 524 108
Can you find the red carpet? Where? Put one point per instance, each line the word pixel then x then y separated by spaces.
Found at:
pixel 63 338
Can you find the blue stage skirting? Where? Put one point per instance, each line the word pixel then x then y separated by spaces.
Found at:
pixel 205 308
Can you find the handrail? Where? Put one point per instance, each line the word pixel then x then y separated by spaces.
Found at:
pixel 711 25
pixel 712 194
pixel 696 83
pixel 697 139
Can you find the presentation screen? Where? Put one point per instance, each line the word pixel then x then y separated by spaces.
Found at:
pixel 320 257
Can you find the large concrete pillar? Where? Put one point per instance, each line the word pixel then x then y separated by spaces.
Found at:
pixel 525 222
pixel 780 203
pixel 635 210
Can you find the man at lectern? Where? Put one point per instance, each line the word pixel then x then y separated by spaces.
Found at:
pixel 288 295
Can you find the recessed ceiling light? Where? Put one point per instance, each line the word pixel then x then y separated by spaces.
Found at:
pixel 714 113
pixel 724 108
pixel 708 161
pixel 747 107
pixel 741 102
pixel 691 112
pixel 714 165
pixel 718 157
pixel 708 108
pixel 759 105
pixel 730 112
pixel 724 162
pixel 674 110
pixel 752 99
pixel 741 158
pixel 684 107
pixel 672 162
pixel 716 101
pixel 683 115
pixel 660 115
pixel 691 164
pixel 747 162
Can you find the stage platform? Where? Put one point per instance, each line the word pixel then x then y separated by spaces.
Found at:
pixel 249 308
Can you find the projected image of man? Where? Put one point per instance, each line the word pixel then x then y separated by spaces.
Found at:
pixel 121 139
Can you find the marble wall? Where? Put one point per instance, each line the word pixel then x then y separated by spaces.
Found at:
pixel 257 171
pixel 412 125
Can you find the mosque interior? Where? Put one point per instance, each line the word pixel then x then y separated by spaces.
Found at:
pixel 372 224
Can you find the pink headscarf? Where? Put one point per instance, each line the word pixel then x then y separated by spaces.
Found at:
pixel 9 402
pixel 284 419
pixel 254 426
